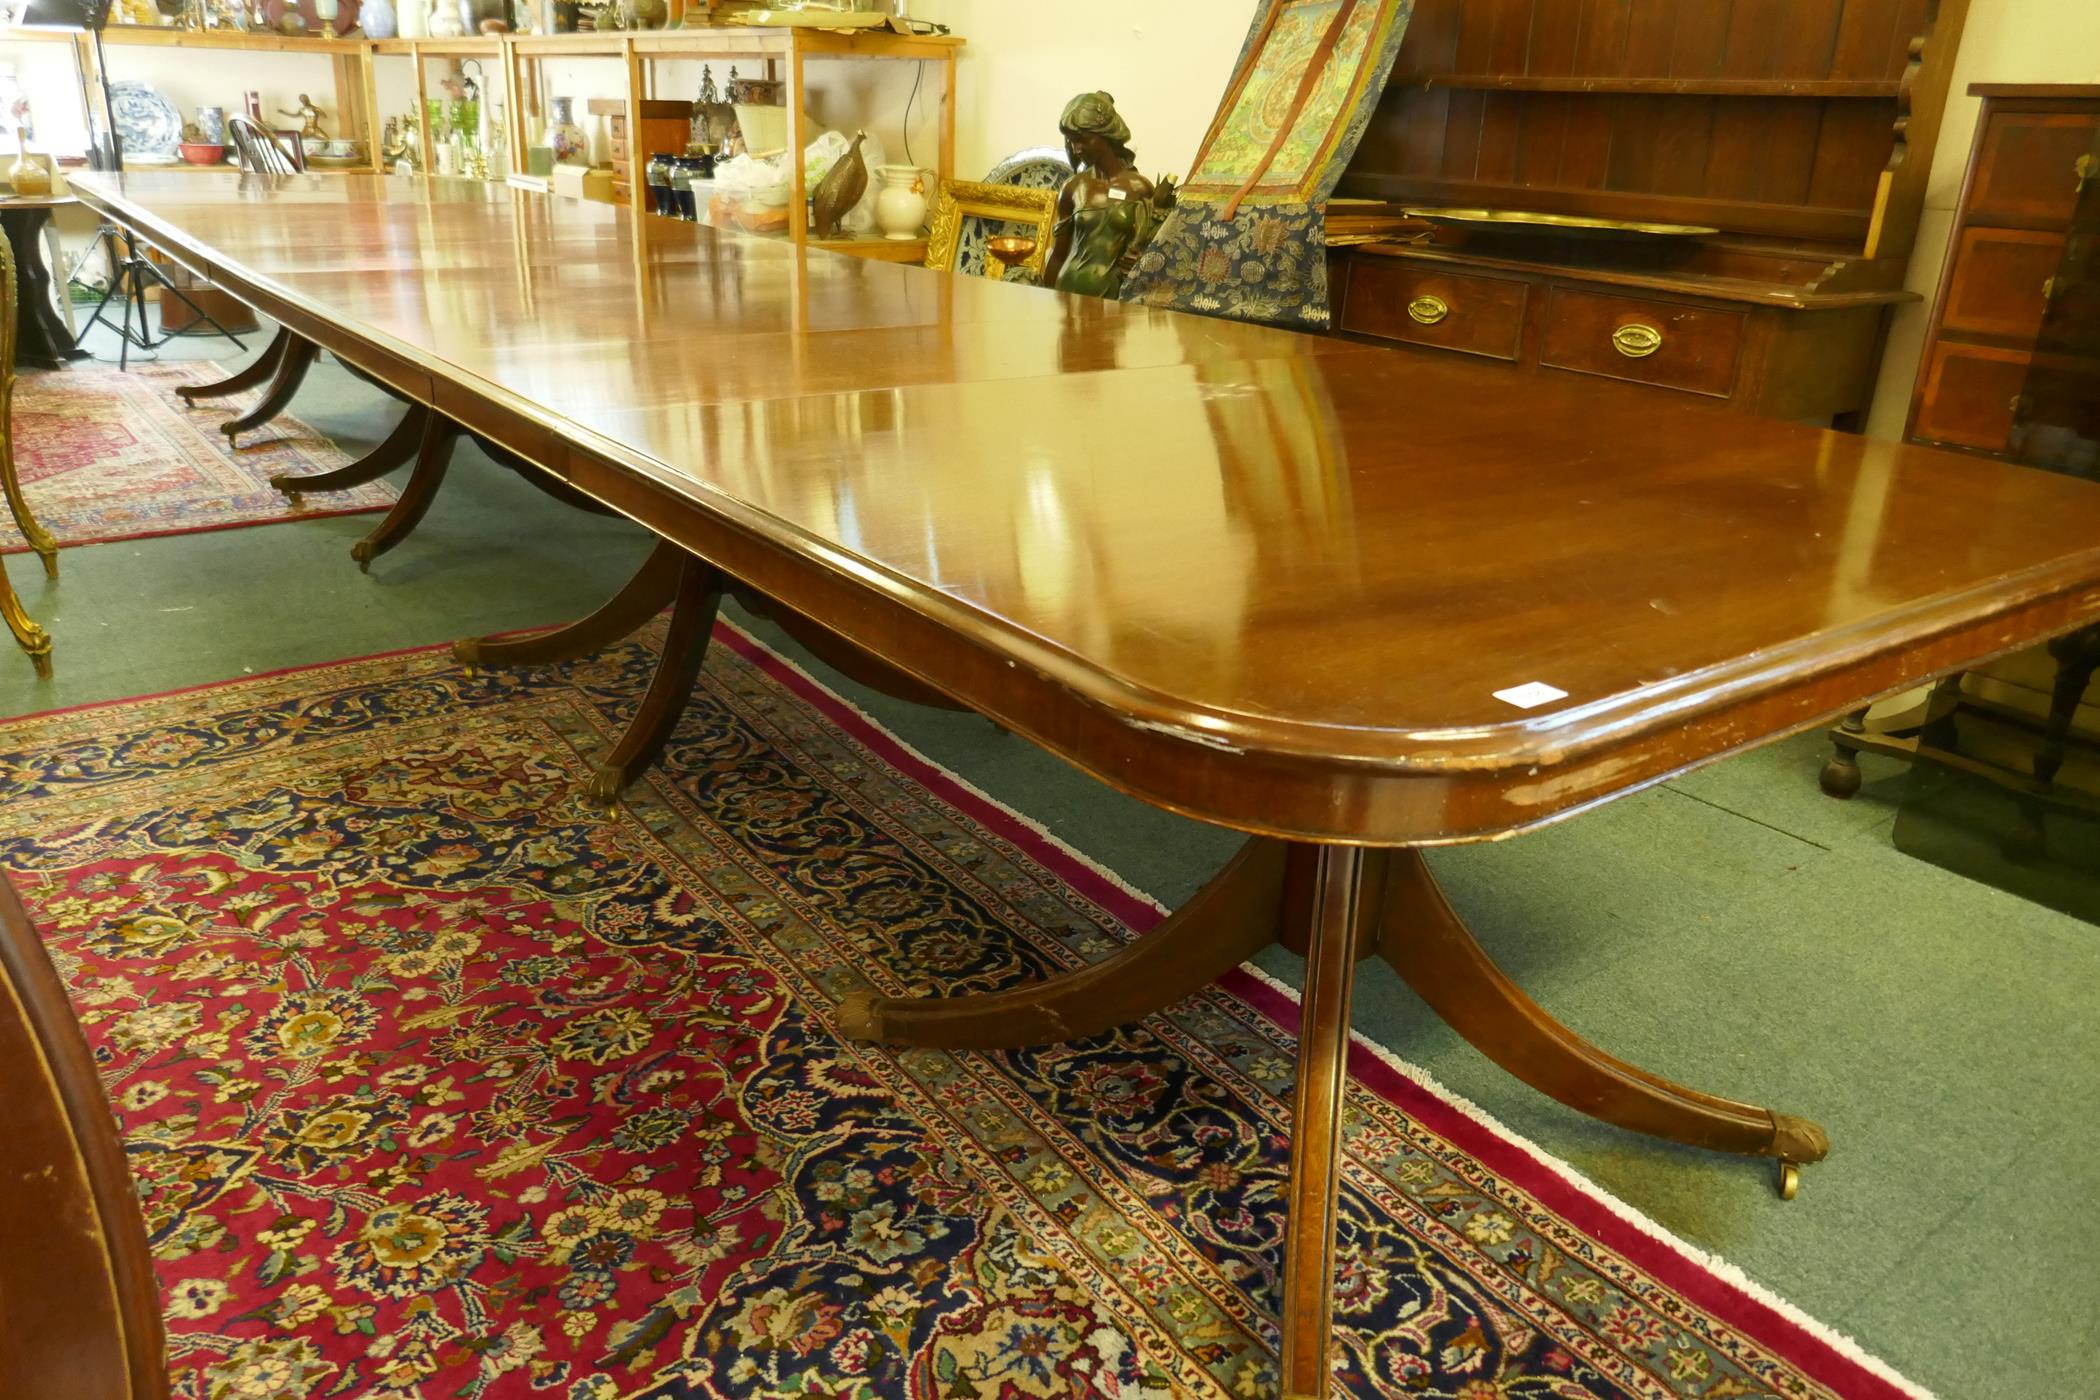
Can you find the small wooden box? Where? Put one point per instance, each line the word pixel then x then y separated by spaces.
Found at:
pixel 666 126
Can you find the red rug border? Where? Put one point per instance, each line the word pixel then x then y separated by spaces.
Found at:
pixel 10 551
pixel 1792 1340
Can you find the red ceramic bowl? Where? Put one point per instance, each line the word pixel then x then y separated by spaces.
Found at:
pixel 197 153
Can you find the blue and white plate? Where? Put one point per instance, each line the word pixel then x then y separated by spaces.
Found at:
pixel 1037 168
pixel 148 122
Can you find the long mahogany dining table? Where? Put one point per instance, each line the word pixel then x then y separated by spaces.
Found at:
pixel 1351 601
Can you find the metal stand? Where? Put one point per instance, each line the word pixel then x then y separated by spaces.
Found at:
pixel 131 273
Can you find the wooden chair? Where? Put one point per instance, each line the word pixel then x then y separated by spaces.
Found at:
pixel 79 1308
pixel 33 639
pixel 285 361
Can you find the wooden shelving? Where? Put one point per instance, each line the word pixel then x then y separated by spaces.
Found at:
pixel 783 50
pixel 477 46
pixel 143 36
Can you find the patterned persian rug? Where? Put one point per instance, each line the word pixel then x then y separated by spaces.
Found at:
pixel 439 1081
pixel 107 455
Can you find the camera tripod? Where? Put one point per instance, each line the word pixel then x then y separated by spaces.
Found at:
pixel 131 275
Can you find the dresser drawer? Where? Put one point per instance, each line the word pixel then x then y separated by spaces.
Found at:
pixel 2002 281
pixel 1476 315
pixel 1648 342
pixel 1968 396
pixel 2028 166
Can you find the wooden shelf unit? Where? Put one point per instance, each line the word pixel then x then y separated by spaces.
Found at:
pixel 1801 131
pixel 350 61
pixel 784 51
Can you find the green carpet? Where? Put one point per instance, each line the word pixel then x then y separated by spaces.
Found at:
pixel 1735 929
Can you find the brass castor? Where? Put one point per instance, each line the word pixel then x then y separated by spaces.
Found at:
pixel 363 553
pixel 1840 777
pixel 1789 1182
pixel 606 784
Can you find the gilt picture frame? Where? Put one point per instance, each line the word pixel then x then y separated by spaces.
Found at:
pixel 959 200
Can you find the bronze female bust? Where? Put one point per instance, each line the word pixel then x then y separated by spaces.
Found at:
pixel 1107 211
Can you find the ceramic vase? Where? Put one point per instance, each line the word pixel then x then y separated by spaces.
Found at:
pixel 445 20
pixel 211 122
pixel 900 210
pixel 30 180
pixel 563 135
pixel 377 17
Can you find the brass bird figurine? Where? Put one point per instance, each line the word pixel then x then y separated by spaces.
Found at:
pixel 839 190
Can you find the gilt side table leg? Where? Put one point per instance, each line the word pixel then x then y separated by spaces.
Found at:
pixel 33 639
pixel 11 482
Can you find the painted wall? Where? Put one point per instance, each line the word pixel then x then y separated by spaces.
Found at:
pixel 1166 62
pixel 2007 41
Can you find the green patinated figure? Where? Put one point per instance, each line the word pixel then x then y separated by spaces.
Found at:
pixel 1107 212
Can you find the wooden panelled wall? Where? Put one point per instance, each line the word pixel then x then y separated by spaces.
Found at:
pixel 1759 116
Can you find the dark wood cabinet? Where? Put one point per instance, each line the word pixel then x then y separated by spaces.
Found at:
pixel 1799 131
pixel 2011 369
pixel 2012 269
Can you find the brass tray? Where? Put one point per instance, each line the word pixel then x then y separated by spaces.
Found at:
pixel 1535 225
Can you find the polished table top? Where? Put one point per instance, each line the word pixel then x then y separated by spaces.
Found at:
pixel 1265 559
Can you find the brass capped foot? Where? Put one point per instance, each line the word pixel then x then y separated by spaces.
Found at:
pixel 1798 1140
pixel 606 785
pixel 363 553
pixel 1789 1182
pixel 467 652
pixel 859 1017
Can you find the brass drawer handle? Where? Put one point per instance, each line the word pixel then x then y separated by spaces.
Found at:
pixel 1429 310
pixel 2087 167
pixel 1637 341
